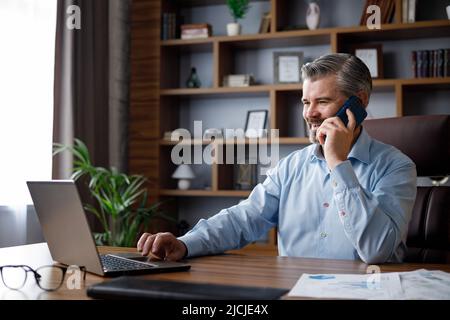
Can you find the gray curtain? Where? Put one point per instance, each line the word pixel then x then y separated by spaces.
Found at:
pixel 119 81
pixel 91 94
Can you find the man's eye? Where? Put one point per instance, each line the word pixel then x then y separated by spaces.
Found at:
pixel 323 102
pixel 305 103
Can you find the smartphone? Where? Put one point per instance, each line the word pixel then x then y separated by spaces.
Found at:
pixel 355 105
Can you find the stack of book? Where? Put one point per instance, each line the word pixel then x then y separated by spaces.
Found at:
pixel 238 80
pixel 196 31
pixel 431 63
pixel 169 26
pixel 386 11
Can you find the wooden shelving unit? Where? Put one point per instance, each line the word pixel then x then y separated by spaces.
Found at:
pixel 338 38
pixel 155 85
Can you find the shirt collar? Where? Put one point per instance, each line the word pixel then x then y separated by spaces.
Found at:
pixel 359 151
pixel 317 153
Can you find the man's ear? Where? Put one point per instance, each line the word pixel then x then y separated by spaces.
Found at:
pixel 364 97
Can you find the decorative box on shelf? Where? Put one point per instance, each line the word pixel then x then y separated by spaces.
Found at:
pixel 196 31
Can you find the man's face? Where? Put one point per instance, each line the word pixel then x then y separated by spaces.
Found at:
pixel 321 100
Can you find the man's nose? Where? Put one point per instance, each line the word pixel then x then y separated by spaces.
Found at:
pixel 312 111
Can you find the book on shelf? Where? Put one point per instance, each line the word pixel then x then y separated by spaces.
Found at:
pixel 409 11
pixel 412 5
pixel 264 27
pixel 169 26
pixel 430 63
pixel 188 26
pixel 195 35
pixel 363 19
pixel 440 63
pixel 434 64
pixel 446 62
pixel 196 31
pixel 425 63
pixel 238 80
pixel 387 9
pixel 414 63
pixel 405 11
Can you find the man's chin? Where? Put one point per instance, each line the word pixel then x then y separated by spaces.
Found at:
pixel 312 136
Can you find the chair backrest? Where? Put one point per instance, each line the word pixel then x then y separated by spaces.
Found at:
pixel 426 140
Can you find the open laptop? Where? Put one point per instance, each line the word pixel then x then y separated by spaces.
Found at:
pixel 69 238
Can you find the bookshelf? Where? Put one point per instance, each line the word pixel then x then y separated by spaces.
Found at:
pixel 160 102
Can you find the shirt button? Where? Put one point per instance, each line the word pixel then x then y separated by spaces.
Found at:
pixel 326 204
pixel 323 234
pixel 334 183
pixel 342 213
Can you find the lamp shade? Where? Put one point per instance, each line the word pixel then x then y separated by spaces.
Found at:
pixel 183 172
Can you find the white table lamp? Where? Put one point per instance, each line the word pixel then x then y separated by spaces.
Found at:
pixel 184 173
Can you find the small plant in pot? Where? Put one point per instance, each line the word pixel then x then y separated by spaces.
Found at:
pixel 238 9
pixel 121 200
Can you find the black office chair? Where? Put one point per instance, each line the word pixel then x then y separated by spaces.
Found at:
pixel 426 140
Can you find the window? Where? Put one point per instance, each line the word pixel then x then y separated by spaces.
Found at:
pixel 27 35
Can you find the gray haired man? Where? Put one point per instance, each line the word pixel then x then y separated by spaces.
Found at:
pixel 344 197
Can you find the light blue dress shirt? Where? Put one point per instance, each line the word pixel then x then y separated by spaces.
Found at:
pixel 360 210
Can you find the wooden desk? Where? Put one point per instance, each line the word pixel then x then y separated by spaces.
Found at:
pixel 234 268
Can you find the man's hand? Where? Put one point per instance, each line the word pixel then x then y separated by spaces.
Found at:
pixel 339 139
pixel 163 245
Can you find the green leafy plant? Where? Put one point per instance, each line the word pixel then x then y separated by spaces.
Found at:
pixel 238 8
pixel 121 199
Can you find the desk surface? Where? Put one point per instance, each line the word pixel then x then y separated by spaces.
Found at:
pixel 234 268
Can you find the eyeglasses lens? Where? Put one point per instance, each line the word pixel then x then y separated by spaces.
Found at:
pixel 14 277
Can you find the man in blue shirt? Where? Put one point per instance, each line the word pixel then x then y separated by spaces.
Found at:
pixel 344 197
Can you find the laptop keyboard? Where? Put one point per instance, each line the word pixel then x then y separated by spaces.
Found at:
pixel 111 263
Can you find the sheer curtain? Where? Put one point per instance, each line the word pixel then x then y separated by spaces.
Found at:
pixel 27 36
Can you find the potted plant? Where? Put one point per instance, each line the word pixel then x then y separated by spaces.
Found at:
pixel 120 199
pixel 238 9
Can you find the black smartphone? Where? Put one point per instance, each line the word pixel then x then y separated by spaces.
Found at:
pixel 355 105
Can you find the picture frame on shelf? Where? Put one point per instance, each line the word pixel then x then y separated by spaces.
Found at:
pixel 286 66
pixel 255 123
pixel 372 56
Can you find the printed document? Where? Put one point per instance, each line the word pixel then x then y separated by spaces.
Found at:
pixel 418 284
